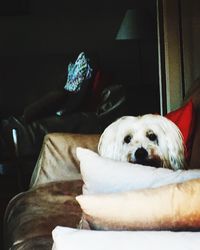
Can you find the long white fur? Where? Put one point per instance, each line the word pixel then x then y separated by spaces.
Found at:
pixel 170 146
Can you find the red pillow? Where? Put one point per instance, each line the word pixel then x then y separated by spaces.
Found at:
pixel 184 118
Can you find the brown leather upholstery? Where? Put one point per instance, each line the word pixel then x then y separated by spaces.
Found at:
pixel 35 213
pixel 49 202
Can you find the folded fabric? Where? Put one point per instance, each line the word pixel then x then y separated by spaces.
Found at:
pixel 78 73
pixel 101 175
pixel 68 238
pixel 171 207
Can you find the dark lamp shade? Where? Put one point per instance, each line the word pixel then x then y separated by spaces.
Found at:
pixel 131 26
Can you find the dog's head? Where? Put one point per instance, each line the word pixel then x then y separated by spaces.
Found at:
pixel 151 140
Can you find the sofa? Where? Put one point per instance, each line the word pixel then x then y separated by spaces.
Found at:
pixel 51 200
pixel 51 195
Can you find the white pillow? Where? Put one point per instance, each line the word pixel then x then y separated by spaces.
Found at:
pixel 76 239
pixel 101 175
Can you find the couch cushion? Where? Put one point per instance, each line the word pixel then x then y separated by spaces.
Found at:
pixel 35 213
pixel 170 207
pixel 58 160
pixel 102 175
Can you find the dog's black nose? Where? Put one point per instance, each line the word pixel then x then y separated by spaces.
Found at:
pixel 141 154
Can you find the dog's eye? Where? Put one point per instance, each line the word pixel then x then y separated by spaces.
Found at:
pixel 127 139
pixel 152 137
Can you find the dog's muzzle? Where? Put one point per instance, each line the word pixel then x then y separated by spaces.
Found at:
pixel 141 156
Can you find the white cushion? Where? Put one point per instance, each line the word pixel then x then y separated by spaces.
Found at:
pixel 76 239
pixel 101 175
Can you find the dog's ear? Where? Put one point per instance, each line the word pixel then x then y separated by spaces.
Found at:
pixel 107 143
pixel 175 147
pixel 111 141
pixel 176 158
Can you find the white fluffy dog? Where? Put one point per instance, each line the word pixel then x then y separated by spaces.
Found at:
pixel 151 140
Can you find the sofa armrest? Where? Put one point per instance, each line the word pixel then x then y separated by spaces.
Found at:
pixel 57 160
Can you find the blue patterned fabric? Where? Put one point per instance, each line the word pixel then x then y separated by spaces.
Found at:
pixel 78 72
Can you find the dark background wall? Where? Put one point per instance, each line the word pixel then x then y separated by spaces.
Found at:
pixel 40 37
